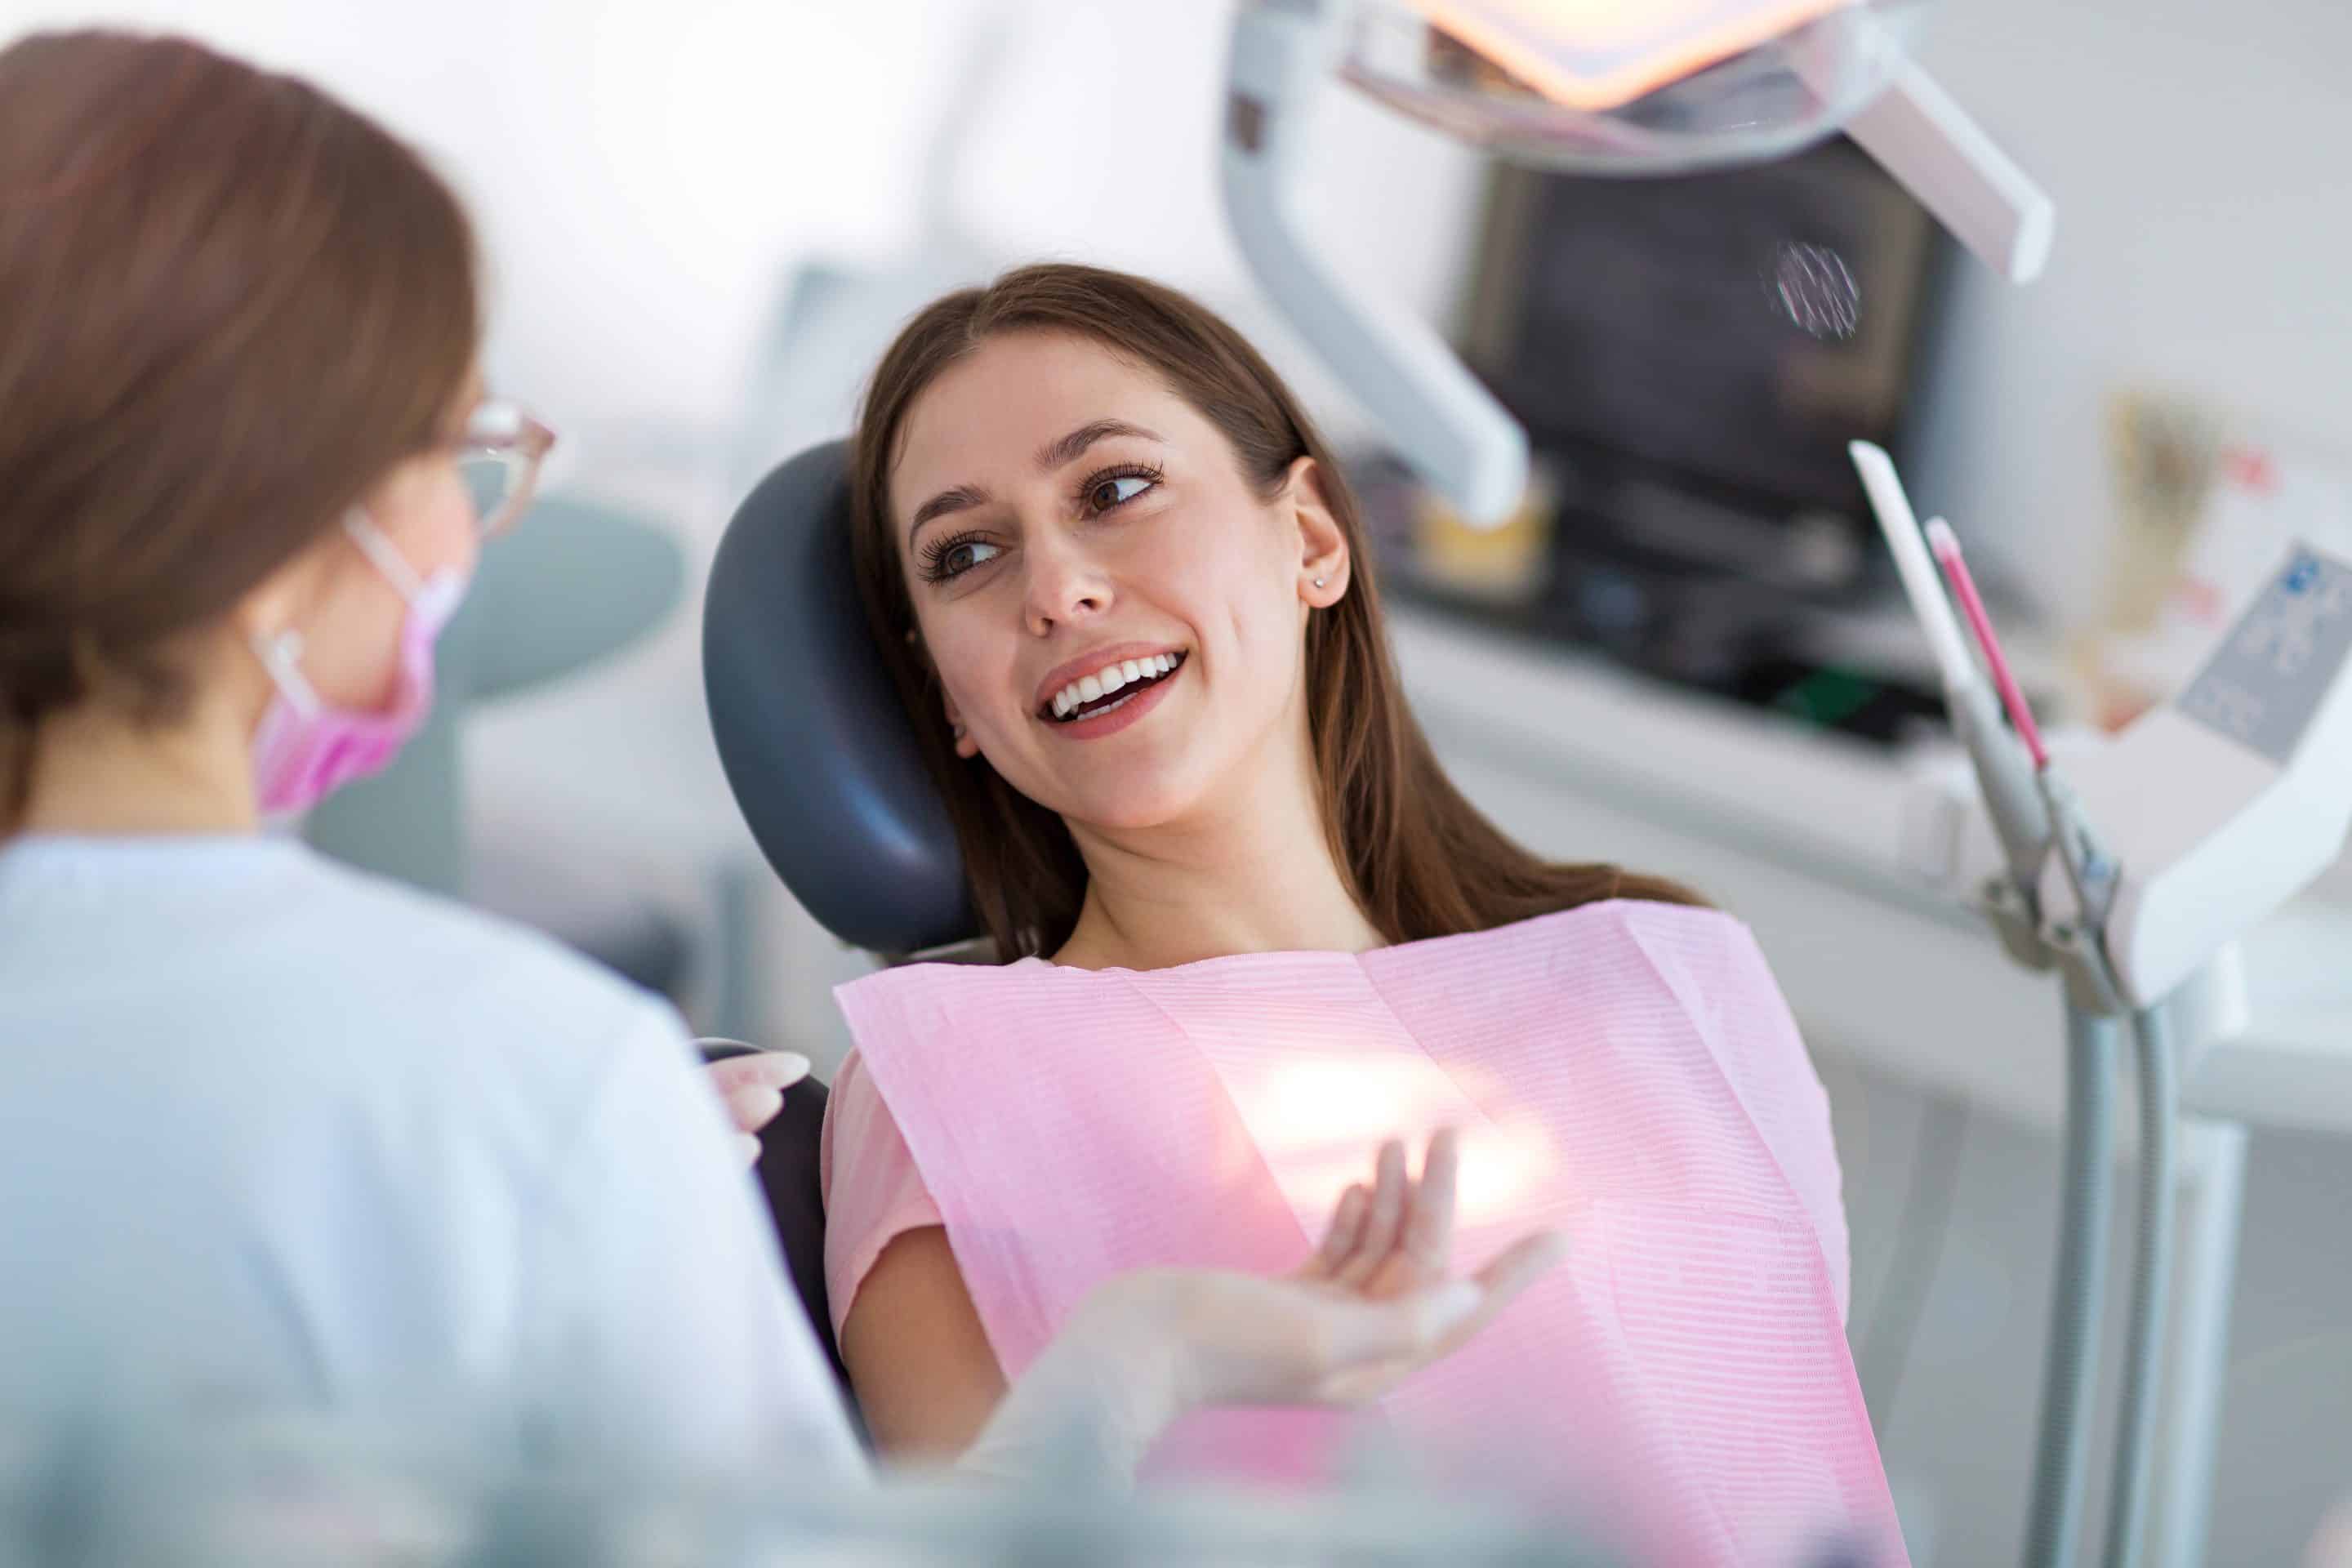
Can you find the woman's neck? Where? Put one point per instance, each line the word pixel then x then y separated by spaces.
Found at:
pixel 98 773
pixel 1255 875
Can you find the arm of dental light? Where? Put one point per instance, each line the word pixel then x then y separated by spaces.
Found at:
pixel 1919 134
pixel 1457 437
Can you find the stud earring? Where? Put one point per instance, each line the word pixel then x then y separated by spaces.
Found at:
pixel 1318 581
pixel 959 731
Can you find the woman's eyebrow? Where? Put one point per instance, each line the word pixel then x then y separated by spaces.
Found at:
pixel 960 498
pixel 1054 453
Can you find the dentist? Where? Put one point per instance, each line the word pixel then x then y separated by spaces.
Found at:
pixel 275 1135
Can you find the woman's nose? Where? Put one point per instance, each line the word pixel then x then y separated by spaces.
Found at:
pixel 1064 586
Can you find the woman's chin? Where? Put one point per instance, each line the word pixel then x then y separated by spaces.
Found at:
pixel 1125 817
pixel 1130 805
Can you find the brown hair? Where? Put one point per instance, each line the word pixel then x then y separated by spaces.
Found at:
pixel 1420 859
pixel 232 306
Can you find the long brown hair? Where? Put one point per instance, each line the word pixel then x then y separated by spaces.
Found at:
pixel 232 306
pixel 1420 860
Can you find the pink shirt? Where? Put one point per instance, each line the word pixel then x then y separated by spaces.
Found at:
pixel 873 1193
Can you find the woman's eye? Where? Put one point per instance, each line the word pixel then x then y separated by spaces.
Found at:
pixel 962 557
pixel 1117 490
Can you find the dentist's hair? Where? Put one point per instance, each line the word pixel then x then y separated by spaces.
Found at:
pixel 231 306
pixel 1420 859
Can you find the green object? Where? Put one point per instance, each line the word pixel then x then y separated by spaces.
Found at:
pixel 1827 696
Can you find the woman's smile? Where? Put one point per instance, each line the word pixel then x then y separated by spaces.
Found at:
pixel 1106 691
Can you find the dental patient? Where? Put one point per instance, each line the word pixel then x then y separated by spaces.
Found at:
pixel 1245 923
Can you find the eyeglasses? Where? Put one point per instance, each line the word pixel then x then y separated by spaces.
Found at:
pixel 499 459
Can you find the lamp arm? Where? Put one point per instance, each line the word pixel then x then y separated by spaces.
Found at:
pixel 1447 426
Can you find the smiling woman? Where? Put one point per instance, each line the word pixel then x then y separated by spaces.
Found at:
pixel 1072 469
pixel 1120 584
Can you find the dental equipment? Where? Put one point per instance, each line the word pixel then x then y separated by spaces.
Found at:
pixel 2255 756
pixel 1604 87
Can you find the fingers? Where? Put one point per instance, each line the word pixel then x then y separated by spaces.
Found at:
pixel 1509 1274
pixel 778 1071
pixel 1383 1220
pixel 1428 1237
pixel 1522 1263
pixel 1346 1229
pixel 747 1148
pixel 753 1107
pixel 1374 1345
pixel 753 1087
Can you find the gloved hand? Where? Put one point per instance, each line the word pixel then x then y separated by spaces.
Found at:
pixel 753 1087
pixel 1373 1306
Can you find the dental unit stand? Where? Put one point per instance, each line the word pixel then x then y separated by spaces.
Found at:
pixel 2219 807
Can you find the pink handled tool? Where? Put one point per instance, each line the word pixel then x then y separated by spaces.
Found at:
pixel 1946 548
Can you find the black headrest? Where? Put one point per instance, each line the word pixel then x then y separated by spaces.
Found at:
pixel 816 746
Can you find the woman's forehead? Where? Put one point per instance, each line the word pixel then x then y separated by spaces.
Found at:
pixel 985 419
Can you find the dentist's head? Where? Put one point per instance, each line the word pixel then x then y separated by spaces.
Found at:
pixel 237 366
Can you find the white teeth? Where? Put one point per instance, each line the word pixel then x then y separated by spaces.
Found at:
pixel 1110 678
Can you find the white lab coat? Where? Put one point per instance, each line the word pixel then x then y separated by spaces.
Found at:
pixel 275 1135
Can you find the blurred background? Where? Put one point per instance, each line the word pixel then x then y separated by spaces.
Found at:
pixel 704 219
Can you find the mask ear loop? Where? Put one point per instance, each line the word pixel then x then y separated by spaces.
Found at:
pixel 281 655
pixel 382 556
pixel 281 658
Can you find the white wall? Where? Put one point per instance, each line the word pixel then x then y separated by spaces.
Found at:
pixel 645 170
pixel 2195 151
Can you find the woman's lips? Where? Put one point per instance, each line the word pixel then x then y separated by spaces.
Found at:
pixel 1125 707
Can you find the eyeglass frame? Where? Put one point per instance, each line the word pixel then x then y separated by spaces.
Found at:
pixel 507 434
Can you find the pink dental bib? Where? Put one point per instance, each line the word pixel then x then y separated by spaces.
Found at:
pixel 1625 1072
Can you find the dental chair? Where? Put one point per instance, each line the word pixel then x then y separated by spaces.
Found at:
pixel 824 764
pixel 815 745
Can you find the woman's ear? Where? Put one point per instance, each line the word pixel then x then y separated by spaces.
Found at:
pixel 284 600
pixel 965 746
pixel 1324 562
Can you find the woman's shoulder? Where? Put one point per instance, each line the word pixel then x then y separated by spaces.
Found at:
pixel 918 1006
pixel 954 984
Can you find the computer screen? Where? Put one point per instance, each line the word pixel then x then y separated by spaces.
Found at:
pixel 1731 330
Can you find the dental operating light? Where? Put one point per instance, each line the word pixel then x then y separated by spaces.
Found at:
pixel 1594 87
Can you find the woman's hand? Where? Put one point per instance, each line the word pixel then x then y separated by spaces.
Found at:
pixel 1373 1306
pixel 754 1088
pixel 1396 1235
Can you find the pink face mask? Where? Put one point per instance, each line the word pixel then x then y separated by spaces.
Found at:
pixel 305 749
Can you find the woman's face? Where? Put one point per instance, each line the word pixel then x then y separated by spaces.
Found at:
pixel 1117 614
pixel 350 612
